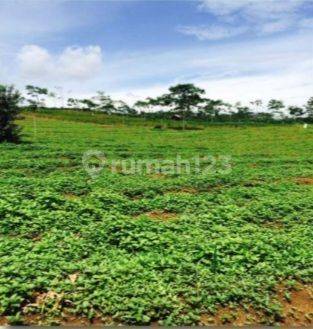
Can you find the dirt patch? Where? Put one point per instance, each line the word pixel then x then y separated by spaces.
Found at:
pixel 70 196
pixel 297 310
pixel 304 181
pixel 235 317
pixel 187 190
pixel 42 298
pixel 36 237
pixel 274 225
pixel 297 306
pixel 3 321
pixel 73 277
pixel 157 176
pixel 161 215
pixel 253 165
pixel 65 320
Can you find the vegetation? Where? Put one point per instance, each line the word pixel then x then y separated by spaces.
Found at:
pixel 182 102
pixel 191 248
pixel 9 111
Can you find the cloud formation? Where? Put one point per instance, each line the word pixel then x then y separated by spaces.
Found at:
pixel 249 16
pixel 213 32
pixel 73 63
pixel 252 9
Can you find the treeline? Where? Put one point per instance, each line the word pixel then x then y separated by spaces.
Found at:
pixel 183 101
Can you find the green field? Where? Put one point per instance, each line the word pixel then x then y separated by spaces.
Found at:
pixel 213 246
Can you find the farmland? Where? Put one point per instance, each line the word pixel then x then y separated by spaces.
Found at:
pixel 215 247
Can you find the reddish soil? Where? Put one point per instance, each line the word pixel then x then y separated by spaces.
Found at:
pixel 304 180
pixel 298 310
pixel 161 215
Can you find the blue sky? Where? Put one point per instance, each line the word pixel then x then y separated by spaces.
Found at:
pixel 235 49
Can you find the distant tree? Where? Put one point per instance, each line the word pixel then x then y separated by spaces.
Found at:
pixel 257 105
pixel 295 111
pixel 9 111
pixel 124 109
pixel 242 112
pixel 257 102
pixel 88 104
pixel 142 105
pixel 275 107
pixel 211 108
pixel 73 102
pixel 36 96
pixel 309 108
pixel 183 97
pixel 149 104
pixel 104 103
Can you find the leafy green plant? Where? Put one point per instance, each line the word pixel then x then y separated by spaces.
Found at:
pixel 141 249
pixel 9 111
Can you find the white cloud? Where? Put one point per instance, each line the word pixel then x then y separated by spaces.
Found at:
pixel 77 63
pixel 268 9
pixel 256 17
pixel 80 63
pixel 306 23
pixel 213 32
pixel 223 7
pixel 275 26
pixel 241 71
pixel 35 61
pixel 237 71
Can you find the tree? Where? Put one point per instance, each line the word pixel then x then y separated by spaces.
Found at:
pixel 243 112
pixel 211 108
pixel 257 105
pixel 88 104
pixel 276 107
pixel 309 108
pixel 104 103
pixel 9 112
pixel 73 102
pixel 295 111
pixel 148 104
pixel 182 98
pixel 121 107
pixel 36 96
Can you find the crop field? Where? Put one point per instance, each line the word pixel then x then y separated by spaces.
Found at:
pixel 227 242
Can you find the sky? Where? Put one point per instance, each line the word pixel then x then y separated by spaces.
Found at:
pixel 237 50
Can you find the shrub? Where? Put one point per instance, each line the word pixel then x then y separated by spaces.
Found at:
pixel 187 127
pixel 159 126
pixel 9 111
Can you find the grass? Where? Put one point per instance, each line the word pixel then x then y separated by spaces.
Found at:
pixel 167 248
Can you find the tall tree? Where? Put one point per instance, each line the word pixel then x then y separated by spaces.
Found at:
pixel 182 99
pixel 295 111
pixel 242 112
pixel 73 103
pixel 309 108
pixel 9 111
pixel 104 103
pixel 36 96
pixel 88 104
pixel 211 108
pixel 275 107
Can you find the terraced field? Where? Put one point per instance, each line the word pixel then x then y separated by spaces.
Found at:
pixel 206 247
